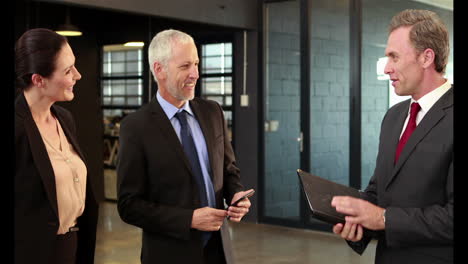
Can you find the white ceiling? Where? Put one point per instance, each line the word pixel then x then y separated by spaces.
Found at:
pixel 445 4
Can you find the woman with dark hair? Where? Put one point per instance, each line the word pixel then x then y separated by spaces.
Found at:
pixel 55 208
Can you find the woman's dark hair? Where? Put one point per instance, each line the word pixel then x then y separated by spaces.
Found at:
pixel 36 52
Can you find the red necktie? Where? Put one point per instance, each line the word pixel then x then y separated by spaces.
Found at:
pixel 410 127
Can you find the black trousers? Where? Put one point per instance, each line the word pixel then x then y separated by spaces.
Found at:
pixel 65 248
pixel 213 251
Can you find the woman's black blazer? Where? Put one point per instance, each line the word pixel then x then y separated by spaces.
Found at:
pixel 36 218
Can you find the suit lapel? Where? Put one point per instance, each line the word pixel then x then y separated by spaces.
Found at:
pixel 431 119
pixel 207 130
pixel 395 134
pixel 165 126
pixel 39 154
pixel 394 137
pixel 70 136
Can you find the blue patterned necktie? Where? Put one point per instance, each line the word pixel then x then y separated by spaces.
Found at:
pixel 191 153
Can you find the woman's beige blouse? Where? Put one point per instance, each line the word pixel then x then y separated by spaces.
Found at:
pixel 70 181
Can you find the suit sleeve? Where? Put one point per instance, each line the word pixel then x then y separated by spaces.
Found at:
pixel 425 226
pixel 370 195
pixel 133 205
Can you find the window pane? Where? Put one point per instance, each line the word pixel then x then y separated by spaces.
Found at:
pixel 228 100
pixel 119 61
pixel 212 49
pixel 106 100
pixel 212 64
pixel 106 88
pixel 106 69
pixel 134 87
pixel 228 85
pixel 122 62
pixel 132 55
pixel 218 99
pixel 217 85
pixel 106 56
pixel 118 87
pixel 132 68
pixel 228 48
pixel 133 100
pixel 117 56
pixel 227 65
pixel 217 58
pixel 118 100
pixel 212 85
pixel 117 69
pixel 122 89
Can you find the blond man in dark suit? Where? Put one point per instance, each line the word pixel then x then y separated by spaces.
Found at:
pixel 409 199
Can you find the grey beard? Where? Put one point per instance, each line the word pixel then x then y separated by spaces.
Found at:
pixel 178 96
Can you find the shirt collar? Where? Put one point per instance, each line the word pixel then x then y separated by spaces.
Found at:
pixel 169 109
pixel 428 100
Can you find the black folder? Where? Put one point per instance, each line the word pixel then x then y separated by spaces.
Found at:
pixel 319 193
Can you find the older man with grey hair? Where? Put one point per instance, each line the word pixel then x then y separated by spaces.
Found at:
pixel 176 164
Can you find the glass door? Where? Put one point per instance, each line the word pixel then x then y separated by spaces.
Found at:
pixel 329 38
pixel 307 99
pixel 282 112
pixel 324 95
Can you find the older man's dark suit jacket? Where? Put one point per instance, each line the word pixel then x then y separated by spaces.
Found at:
pixel 36 218
pixel 417 191
pixel 156 189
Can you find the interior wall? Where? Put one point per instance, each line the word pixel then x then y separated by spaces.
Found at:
pixel 246 146
pixel 282 110
pixel 216 12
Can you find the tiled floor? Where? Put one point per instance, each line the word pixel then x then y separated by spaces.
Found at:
pixel 119 243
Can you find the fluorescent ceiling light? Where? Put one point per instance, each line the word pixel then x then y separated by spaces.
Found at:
pixel 134 44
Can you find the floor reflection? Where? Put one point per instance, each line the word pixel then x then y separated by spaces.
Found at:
pixel 120 243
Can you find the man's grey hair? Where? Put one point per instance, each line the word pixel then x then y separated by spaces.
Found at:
pixel 160 48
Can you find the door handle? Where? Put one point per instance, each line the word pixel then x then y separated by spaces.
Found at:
pixel 300 139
